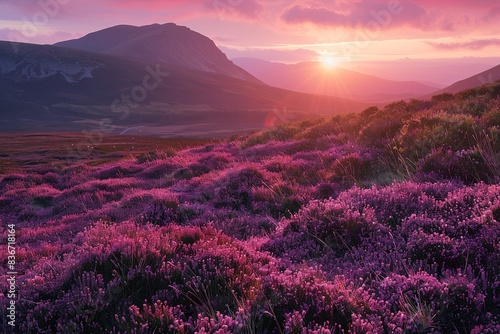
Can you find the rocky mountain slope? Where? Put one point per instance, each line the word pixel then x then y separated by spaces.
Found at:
pixel 168 43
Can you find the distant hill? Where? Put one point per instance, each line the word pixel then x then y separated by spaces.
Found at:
pixel 488 76
pixel 51 87
pixel 167 44
pixel 315 78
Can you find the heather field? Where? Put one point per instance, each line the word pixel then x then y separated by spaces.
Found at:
pixel 386 221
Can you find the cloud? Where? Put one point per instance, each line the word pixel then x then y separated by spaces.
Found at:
pixel 269 54
pixel 424 15
pixel 9 34
pixel 249 9
pixel 360 14
pixel 417 19
pixel 480 4
pixel 21 5
pixel 319 16
pixel 477 44
pixel 13 35
pixel 223 8
pixel 493 15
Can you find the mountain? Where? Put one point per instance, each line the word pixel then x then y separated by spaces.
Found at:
pixel 55 88
pixel 316 78
pixel 440 72
pixel 166 44
pixel 488 76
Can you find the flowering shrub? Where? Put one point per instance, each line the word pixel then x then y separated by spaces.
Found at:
pixel 350 168
pixel 468 166
pixel 286 231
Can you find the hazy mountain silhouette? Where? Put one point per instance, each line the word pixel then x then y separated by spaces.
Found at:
pixel 316 78
pixel 168 43
pixel 488 76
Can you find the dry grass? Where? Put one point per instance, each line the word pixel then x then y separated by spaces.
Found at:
pixel 26 151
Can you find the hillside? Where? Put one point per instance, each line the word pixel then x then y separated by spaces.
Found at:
pixel 165 44
pixel 49 88
pixel 488 76
pixel 315 78
pixel 386 221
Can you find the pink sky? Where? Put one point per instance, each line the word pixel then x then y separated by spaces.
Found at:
pixel 288 31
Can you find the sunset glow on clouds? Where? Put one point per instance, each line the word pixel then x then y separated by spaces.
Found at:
pixel 279 30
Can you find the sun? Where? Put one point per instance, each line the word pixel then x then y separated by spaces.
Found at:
pixel 329 61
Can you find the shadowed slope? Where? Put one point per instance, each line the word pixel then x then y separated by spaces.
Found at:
pixel 74 87
pixel 167 43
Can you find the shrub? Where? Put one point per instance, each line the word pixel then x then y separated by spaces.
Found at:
pixel 322 227
pixel 162 212
pixel 421 135
pixel 379 132
pixel 118 171
pixel 235 190
pixel 441 164
pixel 444 97
pixel 156 155
pixel 351 168
pixel 434 248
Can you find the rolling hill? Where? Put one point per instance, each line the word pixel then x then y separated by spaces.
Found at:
pixel 488 76
pixel 56 88
pixel 315 78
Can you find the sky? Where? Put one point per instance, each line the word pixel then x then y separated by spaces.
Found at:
pixel 276 30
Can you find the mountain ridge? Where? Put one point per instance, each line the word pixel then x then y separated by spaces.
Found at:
pixel 160 43
pixel 74 88
pixel 489 76
pixel 313 77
